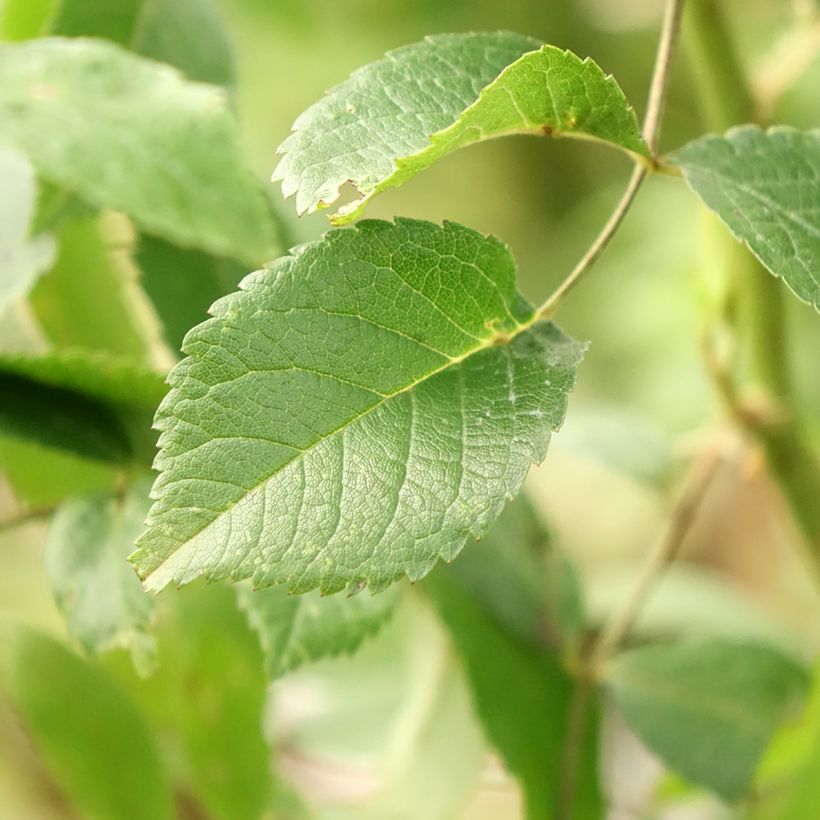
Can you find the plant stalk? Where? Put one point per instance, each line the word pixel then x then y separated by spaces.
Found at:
pixel 767 411
pixel 670 30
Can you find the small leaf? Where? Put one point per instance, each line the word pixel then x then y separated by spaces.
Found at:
pixel 707 707
pixel 357 411
pixel 294 630
pixel 94 585
pixel 92 739
pixel 96 374
pixel 21 259
pixel 395 117
pixel 134 136
pixel 765 186
pixel 522 695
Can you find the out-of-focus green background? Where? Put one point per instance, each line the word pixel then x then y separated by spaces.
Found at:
pixel 643 401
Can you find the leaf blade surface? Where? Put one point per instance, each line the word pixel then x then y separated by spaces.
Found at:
pixel 397 116
pixel 354 413
pixel 765 186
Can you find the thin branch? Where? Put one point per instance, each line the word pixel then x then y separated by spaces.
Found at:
pixel 599 245
pixel 656 101
pixel 655 104
pixel 685 512
pixel 664 553
pixel 20 517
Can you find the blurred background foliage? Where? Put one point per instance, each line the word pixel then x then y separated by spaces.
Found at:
pixel 392 731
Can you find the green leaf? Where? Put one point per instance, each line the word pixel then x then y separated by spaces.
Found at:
pixel 707 707
pixel 62 419
pixel 187 34
pixel 354 413
pixel 183 284
pixel 297 629
pixel 134 136
pixel 21 259
pixel 522 695
pixel 527 586
pixel 395 117
pixel 93 373
pixel 94 585
pixel 90 736
pixel 766 187
pixel 206 701
pixel 87 298
pixel 22 19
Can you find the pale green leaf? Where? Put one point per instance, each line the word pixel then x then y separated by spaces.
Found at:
pixel 353 414
pixel 87 298
pixel 95 587
pixel 707 707
pixel 523 696
pixel 297 629
pixel 93 741
pixel 395 117
pixel 126 133
pixel 765 185
pixel 94 373
pixel 187 34
pixel 21 258
pixel 206 701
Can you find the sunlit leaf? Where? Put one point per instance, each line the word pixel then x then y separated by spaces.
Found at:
pixel 395 117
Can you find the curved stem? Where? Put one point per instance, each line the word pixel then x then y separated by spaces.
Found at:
pixel 656 101
pixel 599 245
pixel 577 724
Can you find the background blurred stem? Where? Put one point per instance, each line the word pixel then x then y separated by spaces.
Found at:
pixel 759 320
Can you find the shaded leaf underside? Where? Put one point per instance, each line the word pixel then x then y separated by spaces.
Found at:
pixel 354 413
pixel 397 116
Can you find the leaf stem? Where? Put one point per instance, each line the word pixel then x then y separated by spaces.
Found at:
pixel 656 102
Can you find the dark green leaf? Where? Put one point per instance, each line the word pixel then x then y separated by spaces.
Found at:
pixel 523 697
pixel 183 284
pixel 61 419
pixel 95 374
